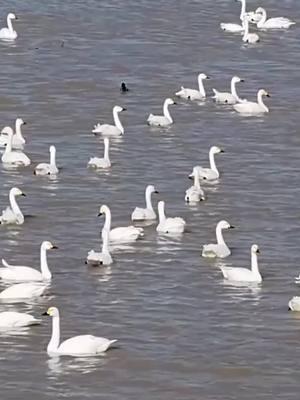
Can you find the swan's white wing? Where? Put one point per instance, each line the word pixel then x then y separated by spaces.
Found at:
pixel 294 303
pixel 215 250
pixel 238 274
pixel 19 273
pixel 106 129
pixel 22 291
pixel 8 216
pixel 85 345
pixel 97 162
pixel 158 120
pixel 125 234
pixel 10 319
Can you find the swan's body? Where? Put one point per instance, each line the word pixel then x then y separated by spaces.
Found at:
pixel 96 162
pixel 252 108
pixel 250 38
pixel 195 193
pixel 16 158
pixel 23 291
pixel 9 33
pixel 121 234
pixel 294 304
pixel 21 274
pixel 148 213
pixel 111 130
pixel 226 97
pixel 48 169
pixel 255 16
pixel 272 23
pixel 169 225
pixel 212 173
pixel 162 120
pixel 18 140
pixel 192 94
pixel 103 257
pixel 11 320
pixel 220 249
pixel 233 28
pixel 83 345
pixel 13 214
pixel 244 274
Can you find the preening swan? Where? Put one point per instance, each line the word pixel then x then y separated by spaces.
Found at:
pixel 244 274
pixel 226 97
pixel 111 130
pixel 195 193
pixel 18 140
pixel 212 173
pixel 251 108
pixel 249 37
pixel 220 249
pixel 80 346
pixel 9 33
pixel 20 273
pixel 252 14
pixel 11 320
pixel 169 225
pixel 48 169
pixel 121 234
pixel 141 214
pixel 294 304
pixel 23 291
pixel 16 158
pixel 13 214
pixel 192 94
pixel 162 120
pixel 96 162
pixel 272 23
pixel 100 258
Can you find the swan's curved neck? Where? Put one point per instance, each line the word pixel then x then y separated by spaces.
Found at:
pixel 167 113
pixel 106 150
pixel 19 132
pixel 55 338
pixel 15 207
pixel 246 27
pixel 219 235
pixel 105 248
pixel 263 19
pixel 117 121
pixel 213 163
pixel 254 264
pixel 148 201
pixel 44 264
pixel 107 222
pixel 9 24
pixel 243 9
pixel 197 181
pixel 233 90
pixel 8 147
pixel 201 87
pixel 53 158
pixel 261 103
pixel 161 213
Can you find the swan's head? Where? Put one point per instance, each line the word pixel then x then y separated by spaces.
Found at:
pixel 52 312
pixel 194 173
pixel 106 141
pixel 12 16
pixel 103 210
pixel 16 192
pixel 255 249
pixel 169 102
pixel 20 122
pixel 52 149
pixel 260 10
pixel 203 76
pixel 263 92
pixel 225 225
pixel 216 150
pixel 236 79
pixel 48 246
pixel 8 131
pixel 151 189
pixel 119 109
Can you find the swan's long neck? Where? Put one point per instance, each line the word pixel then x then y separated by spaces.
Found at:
pixel 53 158
pixel 161 213
pixel 201 87
pixel 261 103
pixel 167 113
pixel 107 223
pixel 148 201
pixel 243 9
pixel 197 181
pixel 246 27
pixel 105 248
pixel 44 264
pixel 9 24
pixel 219 235
pixel 117 121
pixel 254 264
pixel 55 338
pixel 263 19
pixel 213 163
pixel 8 147
pixel 106 150
pixel 19 132
pixel 14 206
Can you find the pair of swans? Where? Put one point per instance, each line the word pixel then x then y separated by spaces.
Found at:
pixel 12 214
pixel 111 130
pixel 169 225
pixel 195 193
pixel 12 157
pixel 192 94
pixel 148 213
pixel 252 108
pixel 101 258
pixel 45 168
pixel 9 33
pixel 220 250
pixel 271 23
pixel 18 140
pixel 162 120
pixel 226 97
pixel 12 320
pixel 254 17
pixel 212 173
pixel 96 162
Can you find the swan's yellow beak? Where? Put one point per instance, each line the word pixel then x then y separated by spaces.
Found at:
pixel 50 311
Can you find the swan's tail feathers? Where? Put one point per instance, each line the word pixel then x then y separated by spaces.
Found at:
pixel 112 341
pixel 215 93
pixel 97 128
pixel 141 231
pixel 180 92
pixel 297 279
pixel 5 263
pixel 150 118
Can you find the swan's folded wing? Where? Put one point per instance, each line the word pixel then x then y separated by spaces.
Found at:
pixel 7 216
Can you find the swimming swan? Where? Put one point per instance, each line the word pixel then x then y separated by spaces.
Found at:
pixel 195 193
pixel 20 273
pixel 192 94
pixel 162 120
pixel 18 141
pixel 9 33
pixel 169 225
pixel 13 214
pixel 235 28
pixel 294 303
pixel 141 214
pixel 229 98
pixel 96 162
pixel 254 15
pixel 250 38
pixel 244 274
pixel 212 173
pixel 48 169
pixel 100 258
pixel 121 234
pixel 111 130
pixel 23 291
pixel 83 345
pixel 272 23
pixel 16 158
pixel 220 249
pixel 251 108
pixel 11 319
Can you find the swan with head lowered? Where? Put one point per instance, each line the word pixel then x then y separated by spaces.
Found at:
pixel 193 94
pixel 122 234
pixel 14 158
pixel 235 28
pixel 220 249
pixel 169 225
pixel 226 97
pixel 250 38
pixel 77 346
pixel 100 258
pixel 21 274
pixel 12 320
pixel 252 108
pixel 142 214
pixel 111 130
pixel 212 173
pixel 18 140
pixel 9 33
pixel 45 168
pixel 162 120
pixel 26 290
pixel 13 214
pixel 96 162
pixel 195 193
pixel 272 23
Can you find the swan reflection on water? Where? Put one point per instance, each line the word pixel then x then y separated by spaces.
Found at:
pixel 68 365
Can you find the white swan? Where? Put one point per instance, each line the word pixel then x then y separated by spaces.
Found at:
pixel 272 23
pixel 20 273
pixel 192 94
pixel 9 33
pixel 212 173
pixel 251 14
pixel 252 108
pixel 244 274
pixel 220 249
pixel 45 168
pixel 250 38
pixel 162 120
pixel 23 291
pixel 121 234
pixel 169 225
pixel 13 214
pixel 294 304
pixel 103 257
pixel 96 162
pixel 235 28
pixel 80 346
pixel 16 158
pixel 11 319
pixel 111 130
pixel 141 214
pixel 18 141
pixel 195 193
pixel 226 97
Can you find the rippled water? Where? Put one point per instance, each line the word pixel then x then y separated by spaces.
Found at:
pixel 183 333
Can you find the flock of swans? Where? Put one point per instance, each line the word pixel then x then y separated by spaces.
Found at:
pixel 28 282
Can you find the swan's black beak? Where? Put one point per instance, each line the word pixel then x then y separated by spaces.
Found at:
pixel 175 102
pixel 191 177
pixel 100 214
pixel 124 109
pixel 16 17
pixel 54 247
pixel 45 313
pixel 156 191
pixel 24 123
pixel 208 77
pixel 242 80
pixel 23 194
pixel 257 251
pixel 222 151
pixel 232 227
pixel 268 95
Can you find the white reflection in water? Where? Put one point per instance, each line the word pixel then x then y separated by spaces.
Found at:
pixel 68 365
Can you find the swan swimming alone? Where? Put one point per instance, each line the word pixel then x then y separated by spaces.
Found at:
pixel 9 33
pixel 162 120
pixel 77 346
pixel 148 213
pixel 15 158
pixel 96 162
pixel 195 193
pixel 252 108
pixel 220 249
pixel 100 258
pixel 226 97
pixel 12 320
pixel 22 274
pixel 250 38
pixel 169 225
pixel 45 168
pixel 12 214
pixel 272 23
pixel 244 274
pixel 25 290
pixel 212 173
pixel 111 130
pixel 192 94
pixel 18 140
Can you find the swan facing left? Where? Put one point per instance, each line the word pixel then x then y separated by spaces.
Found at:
pixel 9 33
pixel 272 23
pixel 169 225
pixel 95 258
pixel 18 140
pixel 13 214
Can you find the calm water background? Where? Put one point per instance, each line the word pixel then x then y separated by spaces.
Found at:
pixel 183 333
